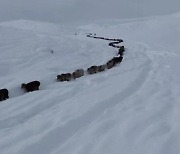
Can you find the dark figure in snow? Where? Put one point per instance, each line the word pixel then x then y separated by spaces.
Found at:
pixel 92 69
pixel 119 40
pixel 78 73
pixel 64 77
pixel 31 86
pixel 101 68
pixel 115 60
pixel 110 64
pixel 121 51
pixel 111 44
pixel 4 94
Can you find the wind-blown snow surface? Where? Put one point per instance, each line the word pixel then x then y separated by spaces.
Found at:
pixel 131 109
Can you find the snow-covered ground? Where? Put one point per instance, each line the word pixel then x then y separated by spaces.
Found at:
pixel 130 109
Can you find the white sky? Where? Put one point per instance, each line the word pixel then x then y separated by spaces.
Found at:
pixel 74 10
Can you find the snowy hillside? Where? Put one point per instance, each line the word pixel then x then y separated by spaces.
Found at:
pixel 132 108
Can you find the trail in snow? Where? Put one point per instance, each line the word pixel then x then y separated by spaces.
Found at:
pixel 112 44
pixel 73 127
pixel 129 109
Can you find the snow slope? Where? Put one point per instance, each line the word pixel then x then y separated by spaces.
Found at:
pixel 130 109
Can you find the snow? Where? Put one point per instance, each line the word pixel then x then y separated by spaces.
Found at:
pixel 132 108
